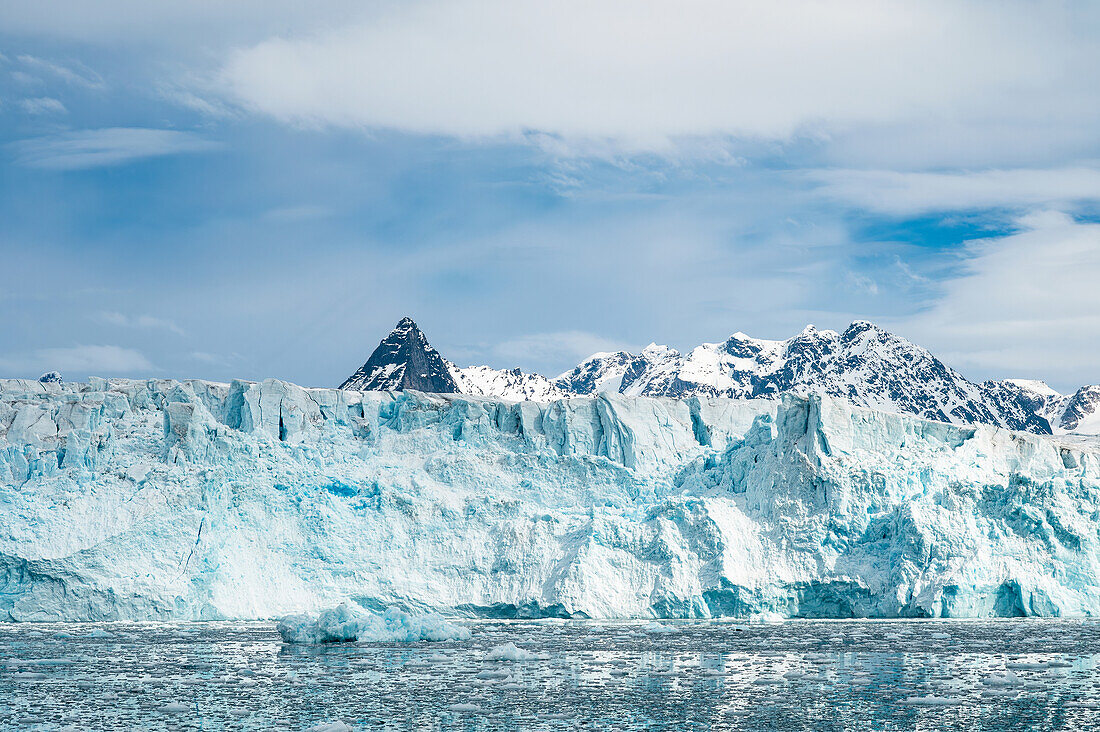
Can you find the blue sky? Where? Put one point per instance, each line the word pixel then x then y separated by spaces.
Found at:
pixel 263 189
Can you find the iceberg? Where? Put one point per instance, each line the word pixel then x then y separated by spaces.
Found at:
pixel 349 623
pixel 511 652
pixel 192 500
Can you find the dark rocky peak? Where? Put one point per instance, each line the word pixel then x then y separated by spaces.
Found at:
pixel 863 327
pixel 585 378
pixel 403 360
pixel 740 345
pixel 811 343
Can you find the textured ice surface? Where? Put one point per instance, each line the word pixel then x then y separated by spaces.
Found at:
pixel 347 622
pixel 192 500
pixel 825 676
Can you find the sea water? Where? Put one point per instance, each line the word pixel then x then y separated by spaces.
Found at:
pixel 558 675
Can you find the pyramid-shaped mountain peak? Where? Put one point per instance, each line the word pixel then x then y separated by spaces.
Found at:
pixel 403 360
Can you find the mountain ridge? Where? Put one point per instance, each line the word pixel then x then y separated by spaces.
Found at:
pixel 863 364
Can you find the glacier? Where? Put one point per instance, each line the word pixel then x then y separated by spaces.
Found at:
pixel 192 500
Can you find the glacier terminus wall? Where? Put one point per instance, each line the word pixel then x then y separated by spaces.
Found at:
pixel 148 500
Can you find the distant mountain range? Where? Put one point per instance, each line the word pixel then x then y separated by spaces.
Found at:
pixel 865 364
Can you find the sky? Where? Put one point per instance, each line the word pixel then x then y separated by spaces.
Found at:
pixel 263 188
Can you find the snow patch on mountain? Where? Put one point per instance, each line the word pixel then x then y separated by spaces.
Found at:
pixel 505 384
pixel 1065 413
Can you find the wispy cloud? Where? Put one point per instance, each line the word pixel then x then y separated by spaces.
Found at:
pixel 122 320
pixel 293 214
pixel 105 147
pixel 862 283
pixel 211 358
pixel 74 73
pixel 42 105
pixel 911 193
pixel 103 360
pixel 22 77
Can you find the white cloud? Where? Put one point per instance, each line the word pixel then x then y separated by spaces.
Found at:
pixel 102 360
pixel 105 147
pixel 1025 305
pixel 207 105
pixel 122 320
pixel 74 73
pixel 643 73
pixel 562 347
pixel 1020 134
pixel 22 77
pixel 43 105
pixel 295 214
pixel 862 283
pixel 910 193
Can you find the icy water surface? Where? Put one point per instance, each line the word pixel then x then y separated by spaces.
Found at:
pixel 800 675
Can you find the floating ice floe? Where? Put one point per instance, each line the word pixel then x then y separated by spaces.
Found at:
pixel 930 701
pixel 512 652
pixel 336 726
pixel 766 617
pixel 28 676
pixel 349 623
pixel 1007 678
pixel 656 627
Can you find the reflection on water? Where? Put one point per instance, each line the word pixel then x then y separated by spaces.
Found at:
pixel 800 675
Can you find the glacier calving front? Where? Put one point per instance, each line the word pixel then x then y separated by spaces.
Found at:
pixel 192 500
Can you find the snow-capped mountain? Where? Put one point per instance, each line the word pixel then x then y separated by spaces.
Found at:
pixel 865 365
pixel 1079 412
pixel 403 360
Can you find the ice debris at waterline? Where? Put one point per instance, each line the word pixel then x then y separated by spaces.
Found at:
pixel 347 622
pixel 806 676
pixel 143 500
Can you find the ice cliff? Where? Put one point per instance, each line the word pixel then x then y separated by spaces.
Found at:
pixel 189 500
